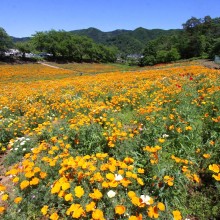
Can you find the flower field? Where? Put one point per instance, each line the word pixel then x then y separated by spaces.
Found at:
pixel 116 145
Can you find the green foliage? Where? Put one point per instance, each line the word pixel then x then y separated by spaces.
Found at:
pixel 199 38
pixel 215 48
pixel 66 46
pixel 25 47
pixel 5 40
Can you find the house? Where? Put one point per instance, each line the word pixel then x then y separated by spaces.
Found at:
pixel 12 53
pixel 134 56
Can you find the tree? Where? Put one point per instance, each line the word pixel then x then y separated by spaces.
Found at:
pixel 5 40
pixel 69 47
pixel 161 56
pixel 215 50
pixel 24 47
pixel 192 24
pixel 173 55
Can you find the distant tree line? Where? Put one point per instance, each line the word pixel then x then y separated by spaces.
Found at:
pixel 199 38
pixel 63 46
pixel 66 46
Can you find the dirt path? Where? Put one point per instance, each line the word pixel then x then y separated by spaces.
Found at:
pixel 56 67
pixel 210 64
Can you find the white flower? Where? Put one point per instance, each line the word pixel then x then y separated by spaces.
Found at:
pixel 27 139
pixel 118 177
pixel 16 148
pixel 111 193
pixel 24 149
pixel 165 135
pixel 22 143
pixel 146 199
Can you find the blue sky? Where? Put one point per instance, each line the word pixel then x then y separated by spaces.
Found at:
pixel 22 18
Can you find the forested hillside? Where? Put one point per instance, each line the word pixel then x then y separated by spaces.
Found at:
pixel 127 41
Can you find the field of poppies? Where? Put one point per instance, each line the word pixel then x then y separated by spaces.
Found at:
pixel 135 145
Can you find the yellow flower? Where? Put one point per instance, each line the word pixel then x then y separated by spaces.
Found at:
pixel 160 206
pixel 43 175
pixel 196 178
pixel 198 150
pixel 97 214
pixel 44 210
pixel 15 180
pixel 29 174
pixel 90 207
pixel 131 194
pixel 17 200
pixel 2 209
pixel 212 143
pixel 110 176
pixel 61 193
pixel 214 168
pixel 55 188
pixel 140 181
pixel 2 187
pixel 120 209
pixel 79 192
pixel 140 170
pixel 216 177
pixel 153 212
pixel 105 184
pixel 96 194
pixel 179 130
pixel 128 160
pixel 136 201
pixel 168 180
pixel 65 186
pixel 34 181
pixel 188 128
pixel 68 197
pixel 206 156
pixel 4 197
pixel 24 184
pixel 77 211
pixel 135 217
pixel 171 127
pixel 125 182
pixel 161 140
pixel 36 169
pixel 54 216
pixel 177 215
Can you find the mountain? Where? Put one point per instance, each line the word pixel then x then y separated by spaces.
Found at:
pixel 20 39
pixel 99 36
pixel 127 41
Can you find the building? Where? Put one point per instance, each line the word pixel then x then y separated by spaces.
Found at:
pixel 217 59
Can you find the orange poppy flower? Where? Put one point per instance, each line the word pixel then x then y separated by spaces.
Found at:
pixel 120 209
